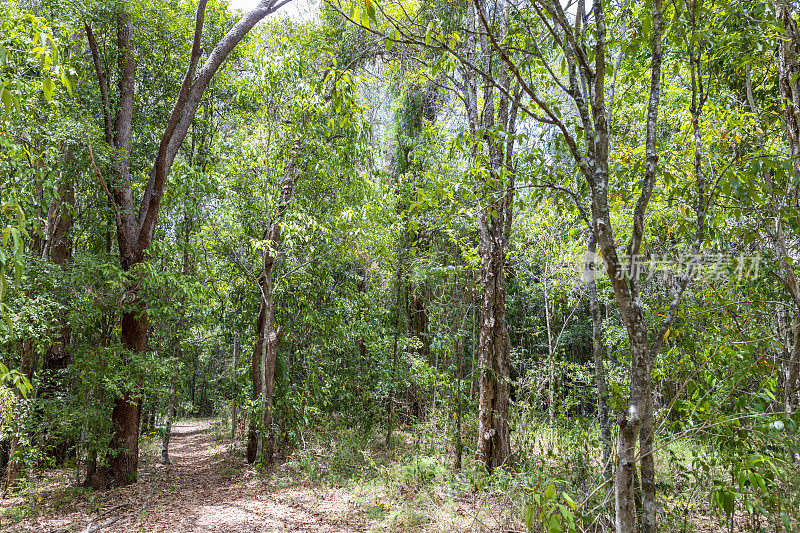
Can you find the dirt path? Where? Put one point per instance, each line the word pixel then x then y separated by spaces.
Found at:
pixel 207 488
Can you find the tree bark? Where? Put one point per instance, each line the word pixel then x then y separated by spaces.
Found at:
pixel 135 232
pixel 551 356
pixel 494 226
pixel 234 403
pixel 459 444
pixel 168 425
pixel 598 354
pixel 789 84
pixel 494 346
pixel 125 417
pixel 265 351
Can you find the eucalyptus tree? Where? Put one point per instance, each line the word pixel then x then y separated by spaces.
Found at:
pixel 136 221
pixel 582 44
pixel 490 106
pixel 788 16
pixel 309 137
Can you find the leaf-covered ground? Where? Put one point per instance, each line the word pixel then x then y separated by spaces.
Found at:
pixel 209 487
pixel 205 489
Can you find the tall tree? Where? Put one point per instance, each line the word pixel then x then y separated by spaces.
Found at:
pixel 495 193
pixel 265 351
pixel 135 225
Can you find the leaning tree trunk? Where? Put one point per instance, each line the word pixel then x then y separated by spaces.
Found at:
pixel 135 232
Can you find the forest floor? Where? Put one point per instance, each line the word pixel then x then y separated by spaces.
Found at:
pixel 209 487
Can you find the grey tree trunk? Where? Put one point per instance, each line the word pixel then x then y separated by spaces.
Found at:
pixel 789 84
pixel 551 364
pixel 234 403
pixel 598 354
pixel 168 425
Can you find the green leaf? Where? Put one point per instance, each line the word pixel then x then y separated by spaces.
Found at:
pixel 529 518
pixel 550 491
pixel 569 501
pixel 6 98
pixel 47 88
pixel 555 524
pixel 371 13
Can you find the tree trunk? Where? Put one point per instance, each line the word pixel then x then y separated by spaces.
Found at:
pixel 459 445
pixel 125 418
pixel 648 466
pixel 494 345
pixel 265 351
pixel 494 225
pixel 789 84
pixel 551 356
pixel 270 355
pixel 15 462
pixel 135 233
pixel 399 310
pixel 629 428
pixel 234 403
pixel 793 370
pixel 168 425
pixel 598 353
pixel 253 434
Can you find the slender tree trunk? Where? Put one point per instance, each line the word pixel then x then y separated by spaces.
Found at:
pixel 789 85
pixel 598 353
pixel 168 425
pixel 253 440
pixel 234 393
pixel 269 357
pixel 266 349
pixel 551 356
pixel 459 445
pixel 793 370
pixel 399 310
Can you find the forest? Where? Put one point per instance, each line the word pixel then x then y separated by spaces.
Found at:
pixel 400 265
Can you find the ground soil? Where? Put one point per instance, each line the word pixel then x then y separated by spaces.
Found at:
pixel 206 488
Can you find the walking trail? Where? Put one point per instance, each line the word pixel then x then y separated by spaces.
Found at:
pixel 206 488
